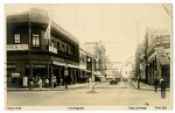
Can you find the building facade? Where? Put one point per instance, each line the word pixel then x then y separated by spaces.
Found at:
pixel 85 65
pixel 156 56
pixel 97 50
pixel 38 47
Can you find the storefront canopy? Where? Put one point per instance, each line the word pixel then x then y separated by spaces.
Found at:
pixel 97 73
pixel 163 60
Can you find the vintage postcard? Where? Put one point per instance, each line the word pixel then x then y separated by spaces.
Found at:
pixel 89 56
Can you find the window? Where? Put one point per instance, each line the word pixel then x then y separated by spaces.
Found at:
pixel 58 45
pixel 17 38
pixel 69 50
pixel 63 46
pixel 35 40
pixel 68 46
pixel 52 43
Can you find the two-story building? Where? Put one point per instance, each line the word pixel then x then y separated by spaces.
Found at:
pixel 38 47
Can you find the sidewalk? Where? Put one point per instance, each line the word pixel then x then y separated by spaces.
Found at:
pixel 144 86
pixel 58 88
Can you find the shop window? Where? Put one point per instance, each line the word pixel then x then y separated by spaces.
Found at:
pixel 17 38
pixel 35 40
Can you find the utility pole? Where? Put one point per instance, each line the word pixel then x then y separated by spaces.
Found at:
pixel 94 68
pixel 29 47
pixel 138 64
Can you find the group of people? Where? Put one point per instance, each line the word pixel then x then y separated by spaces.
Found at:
pixel 41 82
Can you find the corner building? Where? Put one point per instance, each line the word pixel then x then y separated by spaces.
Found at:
pixel 37 47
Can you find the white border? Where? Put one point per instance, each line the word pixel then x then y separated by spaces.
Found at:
pixel 2 41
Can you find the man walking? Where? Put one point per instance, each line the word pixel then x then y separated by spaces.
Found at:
pixel 163 88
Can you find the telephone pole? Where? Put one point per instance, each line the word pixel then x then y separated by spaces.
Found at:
pixel 138 62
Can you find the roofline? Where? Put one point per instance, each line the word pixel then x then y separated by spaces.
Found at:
pixel 18 18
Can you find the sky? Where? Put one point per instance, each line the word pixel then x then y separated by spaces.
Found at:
pixel 119 27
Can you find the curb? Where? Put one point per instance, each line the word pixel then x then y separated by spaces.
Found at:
pixel 49 89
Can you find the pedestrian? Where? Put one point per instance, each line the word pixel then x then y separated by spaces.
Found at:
pixel 47 83
pixel 66 78
pixel 156 84
pixel 163 88
pixel 40 83
pixel 31 84
pixel 66 82
pixel 61 82
pixel 55 82
pixel 90 80
pixel 90 83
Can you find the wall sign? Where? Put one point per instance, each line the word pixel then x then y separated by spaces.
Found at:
pixel 14 47
pixel 52 49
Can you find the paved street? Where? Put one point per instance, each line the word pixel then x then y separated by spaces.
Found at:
pixel 105 95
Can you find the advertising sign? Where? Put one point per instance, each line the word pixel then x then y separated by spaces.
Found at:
pixel 14 47
pixel 15 74
pixel 52 49
pixel 25 81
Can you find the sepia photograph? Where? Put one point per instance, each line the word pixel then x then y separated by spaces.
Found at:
pixel 88 56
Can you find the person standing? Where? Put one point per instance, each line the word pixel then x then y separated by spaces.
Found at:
pixel 66 82
pixel 47 83
pixel 54 81
pixel 90 80
pixel 156 84
pixel 163 88
pixel 40 83
pixel 31 84
pixel 90 83
pixel 66 79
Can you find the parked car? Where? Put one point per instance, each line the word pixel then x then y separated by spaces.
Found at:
pixel 115 81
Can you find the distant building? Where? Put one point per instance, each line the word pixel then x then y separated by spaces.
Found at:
pixel 97 49
pixel 86 65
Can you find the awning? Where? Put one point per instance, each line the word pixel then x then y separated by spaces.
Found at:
pixel 110 76
pixel 15 74
pixel 98 74
pixel 37 66
pixel 163 60
pixel 88 71
pixel 11 66
pixel 59 63
pixel 73 66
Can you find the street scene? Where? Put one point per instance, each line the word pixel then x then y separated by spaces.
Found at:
pixel 104 95
pixel 115 56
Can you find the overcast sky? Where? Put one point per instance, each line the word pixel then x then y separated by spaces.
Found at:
pixel 115 25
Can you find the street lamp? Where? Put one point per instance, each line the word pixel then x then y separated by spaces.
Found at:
pixel 89 59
